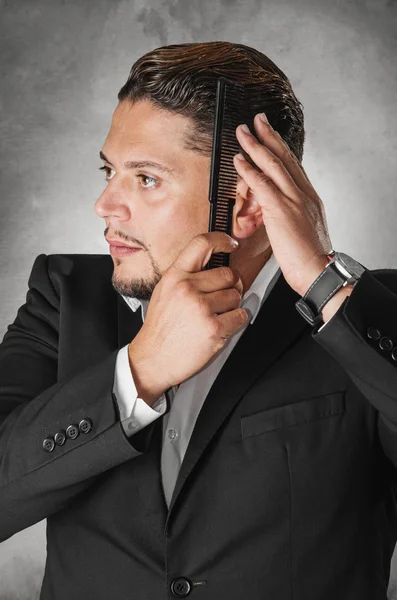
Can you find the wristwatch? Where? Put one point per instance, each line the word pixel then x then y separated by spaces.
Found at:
pixel 339 272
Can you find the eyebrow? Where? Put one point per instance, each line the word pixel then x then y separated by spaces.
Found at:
pixel 141 164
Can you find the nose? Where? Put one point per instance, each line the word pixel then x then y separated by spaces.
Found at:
pixel 112 203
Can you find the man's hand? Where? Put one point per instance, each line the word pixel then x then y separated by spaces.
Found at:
pixel 292 211
pixel 191 315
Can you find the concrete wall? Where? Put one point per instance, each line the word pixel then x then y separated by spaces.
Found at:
pixel 62 63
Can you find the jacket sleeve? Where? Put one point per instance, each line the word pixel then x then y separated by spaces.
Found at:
pixel 362 336
pixel 38 475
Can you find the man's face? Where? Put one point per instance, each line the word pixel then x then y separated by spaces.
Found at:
pixel 158 211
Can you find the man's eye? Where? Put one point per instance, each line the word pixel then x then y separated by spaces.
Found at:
pixel 107 169
pixel 109 176
pixel 146 187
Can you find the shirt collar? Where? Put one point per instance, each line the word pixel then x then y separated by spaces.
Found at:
pixel 252 299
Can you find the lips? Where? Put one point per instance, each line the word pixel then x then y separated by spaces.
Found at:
pixel 120 245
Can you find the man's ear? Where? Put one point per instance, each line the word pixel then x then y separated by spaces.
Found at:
pixel 247 213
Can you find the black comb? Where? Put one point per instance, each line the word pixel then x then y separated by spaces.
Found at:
pixel 229 113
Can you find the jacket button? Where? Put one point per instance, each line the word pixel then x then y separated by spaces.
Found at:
pixel 385 343
pixel 48 444
pixel 85 425
pixel 72 432
pixel 181 587
pixel 373 333
pixel 60 437
pixel 394 353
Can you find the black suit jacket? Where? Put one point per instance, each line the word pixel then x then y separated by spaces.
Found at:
pixel 287 488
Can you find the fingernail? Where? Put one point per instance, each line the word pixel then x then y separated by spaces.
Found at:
pixel 245 128
pixel 249 315
pixel 234 242
pixel 264 118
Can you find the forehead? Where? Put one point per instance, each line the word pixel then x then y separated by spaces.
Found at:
pixel 141 128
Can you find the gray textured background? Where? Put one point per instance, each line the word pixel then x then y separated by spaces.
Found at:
pixel 62 63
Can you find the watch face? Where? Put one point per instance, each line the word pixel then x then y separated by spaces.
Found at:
pixel 352 266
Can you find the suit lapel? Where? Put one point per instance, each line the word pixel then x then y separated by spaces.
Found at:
pixel 276 326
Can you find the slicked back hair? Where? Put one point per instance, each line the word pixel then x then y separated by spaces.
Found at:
pixel 182 78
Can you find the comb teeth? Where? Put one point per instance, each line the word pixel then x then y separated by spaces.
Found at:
pixel 229 113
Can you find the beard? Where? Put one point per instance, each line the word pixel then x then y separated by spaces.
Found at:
pixel 134 287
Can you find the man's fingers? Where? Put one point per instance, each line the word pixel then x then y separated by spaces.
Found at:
pixel 230 322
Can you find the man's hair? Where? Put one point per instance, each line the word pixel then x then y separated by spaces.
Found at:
pixel 182 78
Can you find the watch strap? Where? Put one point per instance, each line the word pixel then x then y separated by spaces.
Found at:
pixel 321 290
pixel 324 287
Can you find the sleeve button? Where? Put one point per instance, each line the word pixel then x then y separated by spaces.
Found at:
pixel 385 343
pixel 373 333
pixel 48 444
pixel 72 432
pixel 85 425
pixel 60 437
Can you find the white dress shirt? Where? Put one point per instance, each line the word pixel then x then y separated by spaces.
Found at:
pixel 186 399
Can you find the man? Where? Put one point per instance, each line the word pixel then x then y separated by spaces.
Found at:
pixel 227 433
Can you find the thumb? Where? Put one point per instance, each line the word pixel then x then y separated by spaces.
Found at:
pixel 198 251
